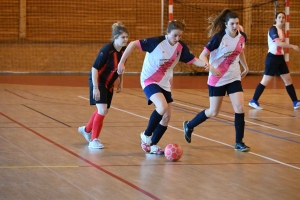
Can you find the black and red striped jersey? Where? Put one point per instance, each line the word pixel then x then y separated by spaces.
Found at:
pixel 107 64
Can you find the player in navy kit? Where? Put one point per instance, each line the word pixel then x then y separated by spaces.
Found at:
pixel 275 63
pixel 101 80
pixel 162 55
pixel 226 51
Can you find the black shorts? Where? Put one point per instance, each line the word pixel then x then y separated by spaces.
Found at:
pixel 230 88
pixel 105 96
pixel 154 88
pixel 275 64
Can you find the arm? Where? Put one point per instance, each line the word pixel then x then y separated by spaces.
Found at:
pixel 244 64
pixel 204 56
pixel 201 63
pixel 286 45
pixel 96 92
pixel 120 85
pixel 132 45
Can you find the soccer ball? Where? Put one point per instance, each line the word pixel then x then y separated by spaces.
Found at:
pixel 173 152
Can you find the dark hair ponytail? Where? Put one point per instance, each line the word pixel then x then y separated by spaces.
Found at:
pixel 218 23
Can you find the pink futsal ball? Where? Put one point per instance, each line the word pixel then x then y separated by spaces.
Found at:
pixel 173 152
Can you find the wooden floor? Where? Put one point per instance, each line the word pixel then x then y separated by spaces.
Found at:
pixel 42 156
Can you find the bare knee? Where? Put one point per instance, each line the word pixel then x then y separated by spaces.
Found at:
pixel 211 113
pixel 102 111
pixel 239 109
pixel 162 108
pixel 166 119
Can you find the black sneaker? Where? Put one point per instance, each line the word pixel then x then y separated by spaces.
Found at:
pixel 240 146
pixel 187 132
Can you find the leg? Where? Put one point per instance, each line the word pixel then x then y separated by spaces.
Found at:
pixel 162 127
pixel 89 125
pixel 161 108
pixel 259 90
pixel 86 130
pixel 237 100
pixel 213 110
pixel 97 125
pixel 159 131
pixel 290 89
pixel 161 104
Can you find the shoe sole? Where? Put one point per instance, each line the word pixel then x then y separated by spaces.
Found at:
pixel 185 136
pixel 96 147
pixel 260 108
pixel 243 150
pixel 161 153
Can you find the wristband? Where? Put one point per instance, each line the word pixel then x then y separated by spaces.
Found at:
pixel 95 87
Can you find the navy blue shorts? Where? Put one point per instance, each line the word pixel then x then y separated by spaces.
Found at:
pixel 105 96
pixel 154 88
pixel 275 65
pixel 230 88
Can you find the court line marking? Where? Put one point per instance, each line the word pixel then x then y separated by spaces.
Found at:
pixel 79 157
pixel 212 140
pixel 276 129
pixel 57 174
pixel 41 166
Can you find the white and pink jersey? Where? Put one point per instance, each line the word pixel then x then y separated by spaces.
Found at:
pixel 161 57
pixel 273 35
pixel 225 56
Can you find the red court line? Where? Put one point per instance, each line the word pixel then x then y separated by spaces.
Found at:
pixel 83 159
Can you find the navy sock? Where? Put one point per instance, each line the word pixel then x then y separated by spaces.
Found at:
pixel 198 119
pixel 239 123
pixel 258 91
pixel 158 133
pixel 291 91
pixel 153 122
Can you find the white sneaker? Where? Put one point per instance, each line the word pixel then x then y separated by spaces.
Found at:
pixel 96 144
pixel 145 142
pixel 154 149
pixel 255 104
pixel 86 135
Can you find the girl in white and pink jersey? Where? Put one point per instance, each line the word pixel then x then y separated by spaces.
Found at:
pixel 226 51
pixel 162 55
pixel 275 63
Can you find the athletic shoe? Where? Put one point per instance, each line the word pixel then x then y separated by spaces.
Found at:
pixel 296 104
pixel 96 144
pixel 240 146
pixel 86 135
pixel 187 132
pixel 255 104
pixel 145 142
pixel 154 149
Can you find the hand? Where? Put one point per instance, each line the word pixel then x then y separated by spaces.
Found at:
pixel 244 73
pixel 206 66
pixel 121 68
pixel 214 71
pixel 295 47
pixel 96 94
pixel 119 88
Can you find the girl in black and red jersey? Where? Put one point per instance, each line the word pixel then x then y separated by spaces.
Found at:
pixel 101 80
pixel 275 63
